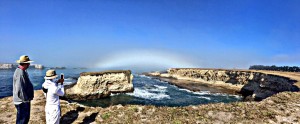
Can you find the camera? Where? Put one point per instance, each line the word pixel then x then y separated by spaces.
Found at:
pixel 62 76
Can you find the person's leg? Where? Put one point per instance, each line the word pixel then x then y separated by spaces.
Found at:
pixel 57 114
pixel 27 112
pixel 48 115
pixel 52 114
pixel 20 114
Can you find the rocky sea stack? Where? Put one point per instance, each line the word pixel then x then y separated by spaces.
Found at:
pixel 94 85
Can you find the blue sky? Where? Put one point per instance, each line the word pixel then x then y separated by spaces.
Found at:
pixel 140 33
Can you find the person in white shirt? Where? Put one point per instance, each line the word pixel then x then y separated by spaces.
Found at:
pixel 53 88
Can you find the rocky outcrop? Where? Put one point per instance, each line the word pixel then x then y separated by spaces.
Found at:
pixel 280 108
pixel 250 84
pixel 94 85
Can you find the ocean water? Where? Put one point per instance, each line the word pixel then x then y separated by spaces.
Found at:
pixel 147 91
pixel 151 91
pixel 36 77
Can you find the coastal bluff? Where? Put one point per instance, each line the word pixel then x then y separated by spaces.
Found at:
pixel 94 85
pixel 254 85
pixel 283 107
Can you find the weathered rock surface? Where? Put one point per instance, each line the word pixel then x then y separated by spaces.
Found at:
pixel 249 83
pixel 283 107
pixel 280 108
pixel 93 85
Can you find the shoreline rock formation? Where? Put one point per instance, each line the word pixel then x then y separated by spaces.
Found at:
pixel 283 107
pixel 280 108
pixel 255 85
pixel 94 85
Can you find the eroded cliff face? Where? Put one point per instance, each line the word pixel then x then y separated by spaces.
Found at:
pixel 257 85
pixel 93 85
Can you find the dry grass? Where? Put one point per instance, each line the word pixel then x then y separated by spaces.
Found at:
pixel 280 108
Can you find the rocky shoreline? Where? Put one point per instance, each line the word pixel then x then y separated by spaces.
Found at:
pixel 283 107
pixel 253 85
pixel 194 86
pixel 280 108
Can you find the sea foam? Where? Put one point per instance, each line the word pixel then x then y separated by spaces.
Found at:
pixel 142 93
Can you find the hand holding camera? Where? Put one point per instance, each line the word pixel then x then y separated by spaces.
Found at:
pixel 61 80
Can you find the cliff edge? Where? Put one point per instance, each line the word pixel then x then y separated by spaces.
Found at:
pixel 251 84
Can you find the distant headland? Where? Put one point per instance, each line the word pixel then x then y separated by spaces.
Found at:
pixel 13 66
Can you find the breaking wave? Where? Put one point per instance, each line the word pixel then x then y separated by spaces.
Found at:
pixel 145 94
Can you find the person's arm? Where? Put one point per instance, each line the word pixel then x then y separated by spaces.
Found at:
pixel 60 91
pixel 19 86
